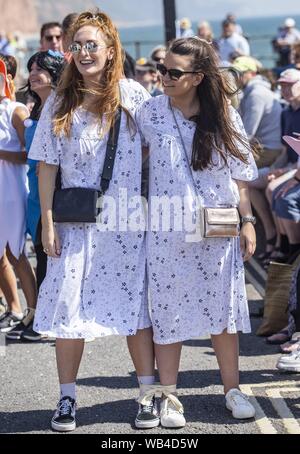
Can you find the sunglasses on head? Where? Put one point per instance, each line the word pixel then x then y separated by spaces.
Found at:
pixel 174 74
pixel 51 37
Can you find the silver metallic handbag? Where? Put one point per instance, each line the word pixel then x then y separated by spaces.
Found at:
pixel 221 223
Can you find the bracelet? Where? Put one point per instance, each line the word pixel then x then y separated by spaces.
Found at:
pixel 297 179
pixel 250 219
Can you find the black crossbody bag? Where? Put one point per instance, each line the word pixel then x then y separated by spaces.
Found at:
pixel 82 205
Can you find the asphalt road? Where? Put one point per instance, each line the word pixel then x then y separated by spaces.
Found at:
pixel 107 388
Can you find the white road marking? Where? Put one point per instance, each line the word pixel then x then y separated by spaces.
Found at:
pixel 274 392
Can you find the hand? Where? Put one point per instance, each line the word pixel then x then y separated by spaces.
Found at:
pixel 248 241
pixel 286 188
pixel 51 242
pixel 276 173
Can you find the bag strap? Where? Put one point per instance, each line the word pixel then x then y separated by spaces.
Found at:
pixel 110 158
pixel 111 152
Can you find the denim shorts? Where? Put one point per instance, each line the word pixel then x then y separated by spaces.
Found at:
pixel 287 207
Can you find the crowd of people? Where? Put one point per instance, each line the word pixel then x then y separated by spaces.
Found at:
pixel 94 119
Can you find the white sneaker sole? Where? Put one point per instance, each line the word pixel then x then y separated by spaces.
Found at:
pixel 288 368
pixel 63 427
pixel 146 424
pixel 9 329
pixel 173 425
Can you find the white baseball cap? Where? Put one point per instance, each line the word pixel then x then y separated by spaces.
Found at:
pixel 289 22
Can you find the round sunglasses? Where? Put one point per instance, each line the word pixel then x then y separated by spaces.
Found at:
pixel 174 74
pixel 91 47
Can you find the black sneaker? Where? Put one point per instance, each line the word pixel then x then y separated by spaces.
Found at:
pixel 30 335
pixel 147 417
pixel 64 417
pixel 8 322
pixel 16 333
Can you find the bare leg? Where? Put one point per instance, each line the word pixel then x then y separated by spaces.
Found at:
pixel 168 360
pixel 226 347
pixel 292 230
pixel 141 349
pixel 8 284
pixel 262 207
pixel 27 277
pixel 68 358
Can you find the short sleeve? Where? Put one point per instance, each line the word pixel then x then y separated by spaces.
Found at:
pixel 240 170
pixel 44 145
pixel 141 115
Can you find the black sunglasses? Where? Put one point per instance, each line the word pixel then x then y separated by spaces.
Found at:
pixel 51 37
pixel 175 74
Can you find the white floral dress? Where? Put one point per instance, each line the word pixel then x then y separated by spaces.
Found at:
pixel 97 287
pixel 195 289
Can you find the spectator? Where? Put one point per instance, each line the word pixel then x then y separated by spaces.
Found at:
pixel 238 28
pixel 13 204
pixel 158 54
pixel 146 75
pixel 290 87
pixel 185 28
pixel 44 71
pixel 231 42
pixel 261 114
pixel 67 24
pixel 5 46
pixel 51 37
pixel 129 66
pixel 205 32
pixel 286 38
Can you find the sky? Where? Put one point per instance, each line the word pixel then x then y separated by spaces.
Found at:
pixel 148 12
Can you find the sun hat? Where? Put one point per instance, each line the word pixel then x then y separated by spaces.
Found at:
pixel 244 64
pixel 289 76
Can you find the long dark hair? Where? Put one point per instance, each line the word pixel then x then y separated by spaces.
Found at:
pixel 214 125
pixel 53 63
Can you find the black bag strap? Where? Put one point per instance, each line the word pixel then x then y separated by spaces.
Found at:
pixel 110 158
pixel 111 152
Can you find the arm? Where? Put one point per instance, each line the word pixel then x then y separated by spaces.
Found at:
pixel 19 116
pixel 253 111
pixel 248 235
pixel 292 183
pixel 50 239
pixel 19 157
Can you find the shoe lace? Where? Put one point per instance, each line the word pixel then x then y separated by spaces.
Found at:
pixel 238 398
pixel 148 408
pixel 65 407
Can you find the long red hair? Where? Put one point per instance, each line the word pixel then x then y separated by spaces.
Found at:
pixel 71 90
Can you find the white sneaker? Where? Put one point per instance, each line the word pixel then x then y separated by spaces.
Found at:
pixel 290 363
pixel 171 413
pixel 238 403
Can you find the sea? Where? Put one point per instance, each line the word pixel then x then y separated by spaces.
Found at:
pixel 139 41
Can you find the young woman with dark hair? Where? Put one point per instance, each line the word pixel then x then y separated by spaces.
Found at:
pixel 198 150
pixel 44 71
pixel 95 279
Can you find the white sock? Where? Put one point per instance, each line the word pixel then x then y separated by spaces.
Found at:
pixel 150 380
pixel 68 390
pixel 18 315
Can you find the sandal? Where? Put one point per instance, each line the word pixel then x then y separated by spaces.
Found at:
pixel 266 255
pixel 279 338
